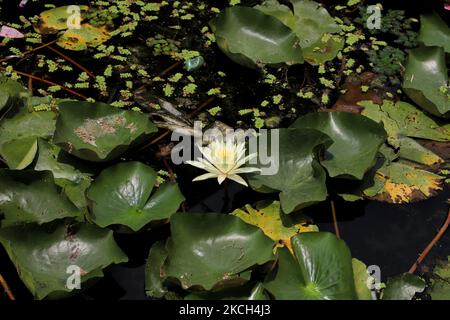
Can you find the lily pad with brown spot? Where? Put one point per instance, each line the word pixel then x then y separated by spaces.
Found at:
pixel 98 131
pixel 54 20
pixel 278 226
pixel 81 39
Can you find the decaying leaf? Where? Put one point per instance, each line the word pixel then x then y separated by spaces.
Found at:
pixel 86 36
pixel 278 226
pixel 398 182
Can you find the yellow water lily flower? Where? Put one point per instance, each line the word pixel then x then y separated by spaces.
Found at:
pixel 223 159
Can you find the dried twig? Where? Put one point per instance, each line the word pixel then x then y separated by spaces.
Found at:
pixel 29 51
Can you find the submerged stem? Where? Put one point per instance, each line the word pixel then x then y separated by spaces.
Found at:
pixel 335 223
pixel 5 286
pixel 433 242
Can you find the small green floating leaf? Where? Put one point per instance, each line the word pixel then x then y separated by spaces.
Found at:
pixel 320 269
pixel 212 250
pixel 42 255
pixel 121 194
pixel 440 282
pixel 154 286
pixel 97 131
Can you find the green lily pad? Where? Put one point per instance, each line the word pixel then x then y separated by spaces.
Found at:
pixel 154 286
pixel 121 195
pixel 251 38
pixel 32 197
pixel 361 277
pixel 320 269
pixel 300 178
pixel 212 250
pixel 426 80
pixel 311 23
pixel 440 282
pixel 27 124
pixel 54 20
pixel 403 287
pixel 356 141
pixel 274 223
pixel 10 92
pixel 434 31
pixel 97 131
pixel 73 181
pixel 245 292
pixel 42 256
pixel 20 153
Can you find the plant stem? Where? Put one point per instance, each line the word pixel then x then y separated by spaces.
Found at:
pixel 72 61
pixel 30 51
pixel 5 286
pixel 48 82
pixel 433 242
pixel 335 223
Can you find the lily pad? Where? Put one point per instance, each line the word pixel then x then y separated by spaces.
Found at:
pixel 402 122
pixel 154 286
pixel 121 195
pixel 274 223
pixel 403 287
pixel 245 292
pixel 97 131
pixel 398 182
pixel 18 154
pixel 10 92
pixel 32 197
pixel 320 269
pixel 434 31
pixel 312 24
pixel 440 282
pixel 356 141
pixel 73 181
pixel 54 20
pixel 361 277
pixel 27 124
pixel 300 178
pixel 42 256
pixel 210 251
pixel 81 39
pixel 426 80
pixel 251 38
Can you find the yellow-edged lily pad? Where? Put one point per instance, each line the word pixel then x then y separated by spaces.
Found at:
pixel 54 20
pixel 274 223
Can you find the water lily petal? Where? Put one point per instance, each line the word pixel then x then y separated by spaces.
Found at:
pixel 221 178
pixel 238 179
pixel 205 176
pixel 246 170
